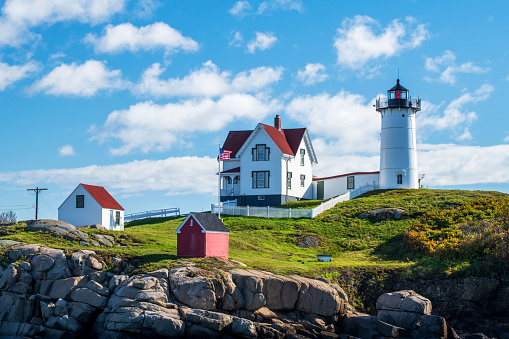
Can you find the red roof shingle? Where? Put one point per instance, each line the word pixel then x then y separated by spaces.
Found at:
pixel 102 197
pixel 235 140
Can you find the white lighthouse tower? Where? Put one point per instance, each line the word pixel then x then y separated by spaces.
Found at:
pixel 398 149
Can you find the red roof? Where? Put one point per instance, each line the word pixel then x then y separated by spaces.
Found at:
pixel 102 197
pixel 344 175
pixel 232 170
pixel 235 140
pixel 288 140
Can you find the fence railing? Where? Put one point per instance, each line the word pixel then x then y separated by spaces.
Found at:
pixel 272 212
pixel 167 212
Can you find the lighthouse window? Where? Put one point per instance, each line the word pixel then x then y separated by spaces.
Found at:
pixel 399 179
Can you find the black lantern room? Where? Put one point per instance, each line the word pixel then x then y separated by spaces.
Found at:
pixel 398 96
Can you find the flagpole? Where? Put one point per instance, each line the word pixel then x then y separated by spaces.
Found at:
pixel 219 183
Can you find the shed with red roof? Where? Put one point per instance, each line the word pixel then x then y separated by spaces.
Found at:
pixel 202 235
pixel 89 205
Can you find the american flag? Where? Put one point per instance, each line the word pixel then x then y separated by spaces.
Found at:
pixel 224 154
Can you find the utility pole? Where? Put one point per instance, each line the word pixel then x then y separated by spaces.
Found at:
pixel 37 190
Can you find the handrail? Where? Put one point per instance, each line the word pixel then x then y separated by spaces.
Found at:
pixel 175 211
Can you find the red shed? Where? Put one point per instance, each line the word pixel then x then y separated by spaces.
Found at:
pixel 202 235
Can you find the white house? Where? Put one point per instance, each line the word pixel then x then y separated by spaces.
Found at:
pixel 88 205
pixel 329 187
pixel 268 166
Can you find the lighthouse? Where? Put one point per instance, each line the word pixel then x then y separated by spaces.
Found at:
pixel 398 146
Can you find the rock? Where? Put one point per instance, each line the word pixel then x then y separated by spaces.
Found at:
pixel 87 296
pixel 317 297
pixel 98 288
pixel 217 322
pixel 359 325
pixel 244 328
pixel 163 273
pixel 402 309
pixel 80 311
pixel 84 262
pixel 192 289
pixel 15 255
pixel 63 287
pixel 41 263
pixel 104 240
pixel 388 330
pixel 250 283
pixel 9 277
pixel 432 326
pixel 8 243
pixel 25 265
pixel 94 226
pixel 382 214
pixel 198 331
pixel 21 288
pixel 67 323
pixel 16 308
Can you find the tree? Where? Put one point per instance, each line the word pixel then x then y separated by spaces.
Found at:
pixel 8 217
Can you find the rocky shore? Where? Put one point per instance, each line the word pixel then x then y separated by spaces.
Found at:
pixel 46 293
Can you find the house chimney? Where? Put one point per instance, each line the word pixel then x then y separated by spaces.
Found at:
pixel 277 122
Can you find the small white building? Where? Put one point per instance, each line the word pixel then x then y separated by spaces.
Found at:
pixel 89 205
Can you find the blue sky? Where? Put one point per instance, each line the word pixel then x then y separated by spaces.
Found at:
pixel 136 95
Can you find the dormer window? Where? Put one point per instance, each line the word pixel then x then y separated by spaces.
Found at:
pixel 261 153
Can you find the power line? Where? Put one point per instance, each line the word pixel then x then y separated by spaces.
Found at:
pixel 37 190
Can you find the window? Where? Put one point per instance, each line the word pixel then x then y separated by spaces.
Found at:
pixel 302 180
pixel 228 180
pixel 117 218
pixel 260 179
pixel 302 153
pixel 261 153
pixel 289 180
pixel 236 179
pixel 191 224
pixel 80 201
pixel 350 182
pixel 261 197
pixel 399 179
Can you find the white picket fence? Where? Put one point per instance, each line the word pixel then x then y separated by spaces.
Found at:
pixel 272 212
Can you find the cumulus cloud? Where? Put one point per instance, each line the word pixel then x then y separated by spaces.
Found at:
pixel 79 80
pixel 126 37
pixel 455 114
pixel 184 175
pixel 19 16
pixel 236 39
pixel 362 40
pixel 446 66
pixel 450 164
pixel 261 42
pixel 243 8
pixel 240 8
pixel 312 74
pixel 11 74
pixel 345 122
pixel 66 150
pixel 206 81
pixel 147 126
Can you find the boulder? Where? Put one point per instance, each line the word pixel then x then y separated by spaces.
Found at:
pixel 84 262
pixel 63 287
pixel 244 328
pixel 432 326
pixel 383 214
pixel 9 277
pixel 402 308
pixel 87 296
pixel 192 289
pixel 317 297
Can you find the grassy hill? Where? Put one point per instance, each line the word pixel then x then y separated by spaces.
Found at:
pixel 291 245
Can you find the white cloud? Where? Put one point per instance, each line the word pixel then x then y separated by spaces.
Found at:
pixel 285 5
pixel 361 41
pixel 262 42
pixel 236 39
pixel 11 74
pixel 450 164
pixel 18 16
pixel 345 122
pixel 243 8
pixel 455 114
pixel 312 74
pixel 240 8
pixel 446 66
pixel 147 126
pixel 185 175
pixel 206 81
pixel 128 37
pixel 66 150
pixel 79 80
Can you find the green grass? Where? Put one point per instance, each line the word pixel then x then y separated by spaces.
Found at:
pixel 271 244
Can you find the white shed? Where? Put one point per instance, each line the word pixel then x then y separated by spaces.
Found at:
pixel 88 205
